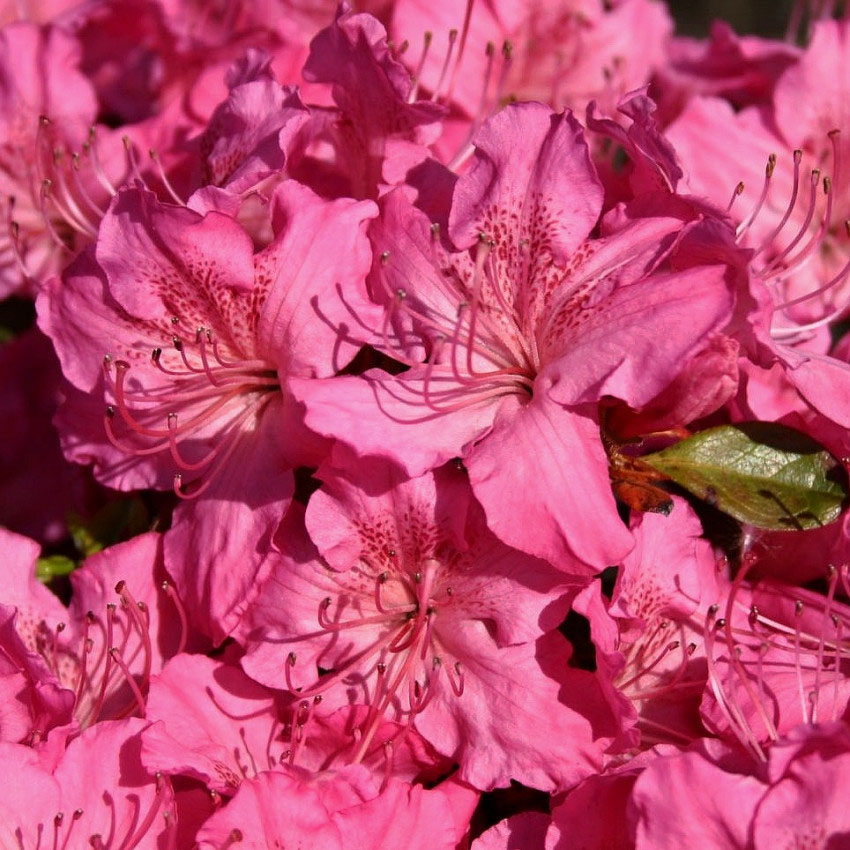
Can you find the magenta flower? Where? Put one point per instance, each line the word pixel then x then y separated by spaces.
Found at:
pixel 564 54
pixel 649 636
pixel 93 660
pixel 200 336
pixel 39 76
pixel 212 723
pixel 522 333
pixel 380 130
pixel 419 612
pixel 339 810
pixel 795 801
pixel 97 795
pixel 775 656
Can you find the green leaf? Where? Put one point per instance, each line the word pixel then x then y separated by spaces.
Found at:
pixel 114 522
pixel 53 565
pixel 762 473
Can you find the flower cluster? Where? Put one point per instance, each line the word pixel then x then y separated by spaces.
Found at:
pixel 345 352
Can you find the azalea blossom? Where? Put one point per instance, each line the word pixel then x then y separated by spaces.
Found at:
pixel 39 67
pixel 96 795
pixel 338 810
pixel 379 339
pixel 192 336
pixel 73 667
pixel 649 636
pixel 415 609
pixel 514 339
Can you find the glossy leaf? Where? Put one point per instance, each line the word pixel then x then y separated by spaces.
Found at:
pixel 51 566
pixel 761 473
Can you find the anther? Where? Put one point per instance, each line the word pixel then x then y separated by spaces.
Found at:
pixel 385 257
pixel 736 193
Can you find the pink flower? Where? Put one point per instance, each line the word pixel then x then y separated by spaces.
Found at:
pixel 212 723
pixel 788 183
pixel 740 69
pixel 343 810
pixel 248 136
pixel 201 335
pixel 98 654
pixel 649 636
pixel 522 333
pixel 39 76
pixel 419 612
pixel 775 662
pixel 795 801
pixel 98 795
pixel 380 129
pixel 564 54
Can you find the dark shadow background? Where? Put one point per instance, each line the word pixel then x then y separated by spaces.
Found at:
pixel 766 18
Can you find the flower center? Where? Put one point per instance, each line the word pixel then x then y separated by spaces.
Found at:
pixel 480 353
pixel 804 230
pixel 807 646
pixel 196 414
pixel 402 666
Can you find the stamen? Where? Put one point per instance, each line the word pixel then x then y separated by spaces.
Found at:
pixel 768 173
pixel 736 193
pixel 445 68
pixel 464 32
pixel 181 613
pixel 212 391
pixel 142 628
pixel 737 722
pixel 164 178
pixel 734 658
pixel 146 824
pixel 98 705
pixel 91 149
pixel 417 74
pixel 804 708
pixel 772 266
pixel 456 684
pixel 798 158
pixel 86 645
